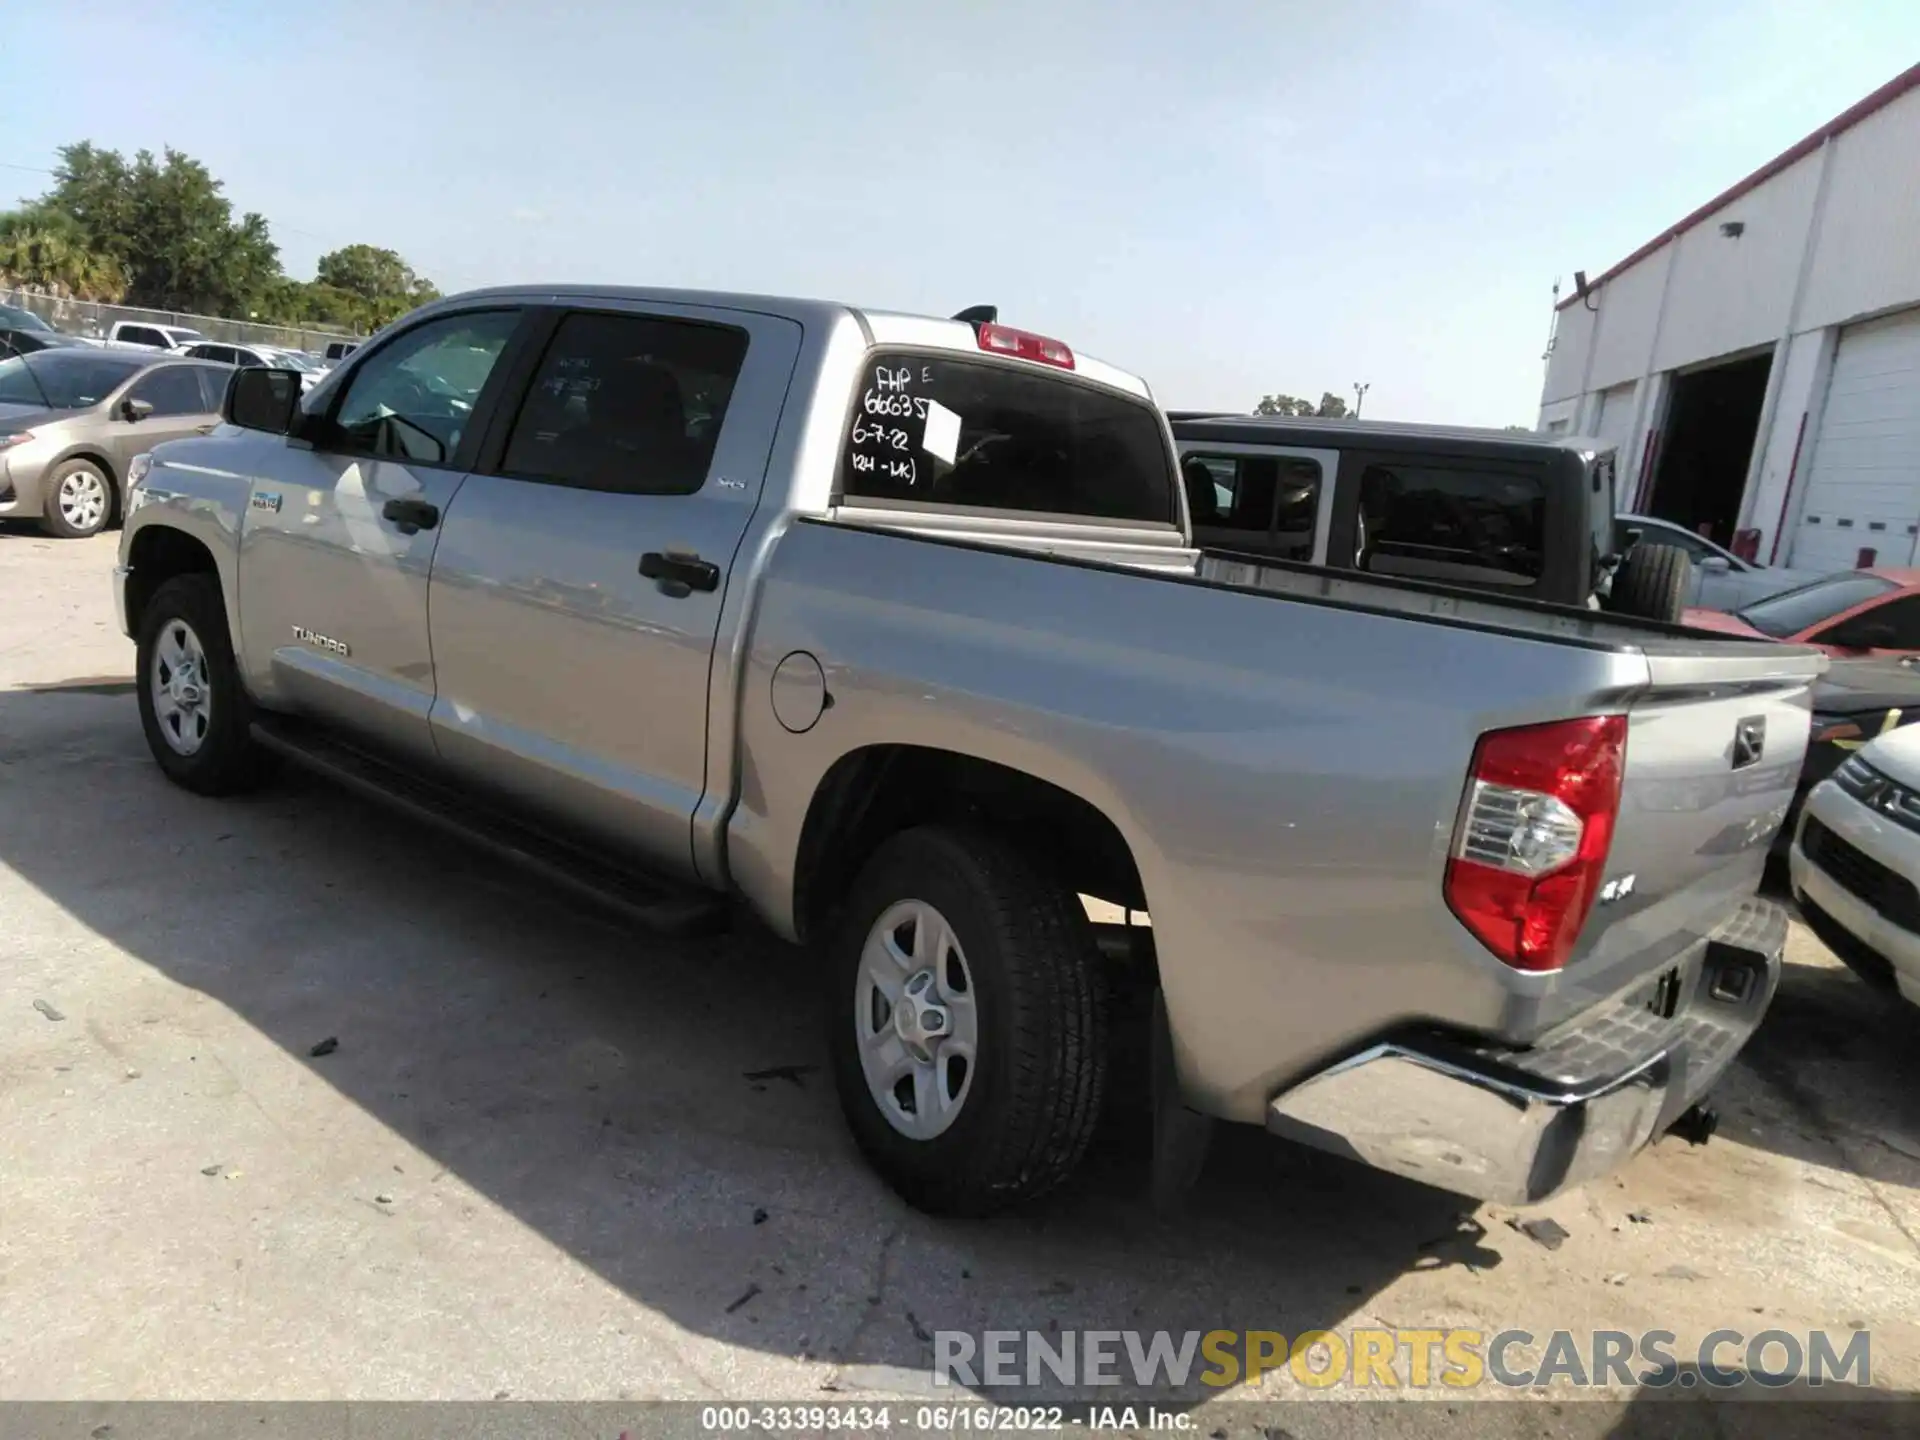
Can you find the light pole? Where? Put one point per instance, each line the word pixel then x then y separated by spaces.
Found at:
pixel 1359 397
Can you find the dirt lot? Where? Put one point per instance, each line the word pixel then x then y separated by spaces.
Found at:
pixel 538 1164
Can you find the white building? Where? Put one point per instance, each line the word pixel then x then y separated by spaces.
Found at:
pixel 1758 364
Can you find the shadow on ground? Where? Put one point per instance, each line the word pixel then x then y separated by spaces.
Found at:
pixel 658 1110
pixel 1833 1077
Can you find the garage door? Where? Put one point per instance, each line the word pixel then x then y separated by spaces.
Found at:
pixel 1615 421
pixel 1863 485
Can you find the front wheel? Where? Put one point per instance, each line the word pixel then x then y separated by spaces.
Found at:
pixel 966 1022
pixel 196 715
pixel 79 501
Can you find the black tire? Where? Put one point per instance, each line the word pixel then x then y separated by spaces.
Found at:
pixel 1652 582
pixel 1042 1022
pixel 227 759
pixel 57 524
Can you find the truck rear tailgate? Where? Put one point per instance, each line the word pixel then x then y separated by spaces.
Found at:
pixel 1714 748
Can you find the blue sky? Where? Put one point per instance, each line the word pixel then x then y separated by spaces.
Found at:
pixel 1231 198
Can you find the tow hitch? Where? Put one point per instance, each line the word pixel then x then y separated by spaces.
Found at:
pixel 1696 1124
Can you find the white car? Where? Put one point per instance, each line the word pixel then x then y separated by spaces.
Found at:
pixel 1721 579
pixel 175 338
pixel 1856 858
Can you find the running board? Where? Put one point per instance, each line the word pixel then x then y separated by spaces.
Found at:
pixel 665 906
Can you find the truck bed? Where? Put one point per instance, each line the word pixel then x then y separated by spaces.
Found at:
pixel 1515 615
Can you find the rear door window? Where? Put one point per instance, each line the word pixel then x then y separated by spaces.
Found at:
pixel 629 403
pixel 1466 526
pixel 976 435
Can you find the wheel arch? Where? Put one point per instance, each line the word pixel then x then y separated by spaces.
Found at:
pixel 156 554
pixel 876 791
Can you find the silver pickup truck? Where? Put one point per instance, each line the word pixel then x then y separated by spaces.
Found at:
pixel 891 627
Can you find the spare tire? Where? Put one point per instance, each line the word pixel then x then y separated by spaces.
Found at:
pixel 1651 582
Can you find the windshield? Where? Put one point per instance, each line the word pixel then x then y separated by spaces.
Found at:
pixel 1795 610
pixel 18 319
pixel 63 379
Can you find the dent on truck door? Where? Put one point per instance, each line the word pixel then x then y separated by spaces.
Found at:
pixel 338 537
pixel 577 588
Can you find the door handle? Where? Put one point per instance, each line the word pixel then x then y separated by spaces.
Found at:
pixel 679 573
pixel 205 429
pixel 411 516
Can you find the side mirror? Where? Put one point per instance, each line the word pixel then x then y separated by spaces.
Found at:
pixel 134 411
pixel 1714 564
pixel 262 399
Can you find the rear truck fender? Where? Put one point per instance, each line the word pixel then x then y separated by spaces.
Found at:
pixel 876 791
pixel 185 515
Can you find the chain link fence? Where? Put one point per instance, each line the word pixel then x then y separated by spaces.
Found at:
pixel 86 317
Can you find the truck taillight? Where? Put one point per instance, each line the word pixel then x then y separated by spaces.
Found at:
pixel 1533 835
pixel 1005 340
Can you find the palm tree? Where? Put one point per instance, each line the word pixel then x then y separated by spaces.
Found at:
pixel 45 250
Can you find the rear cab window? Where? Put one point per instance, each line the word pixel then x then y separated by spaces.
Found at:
pixel 1004 437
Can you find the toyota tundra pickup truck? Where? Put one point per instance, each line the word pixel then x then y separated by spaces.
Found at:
pixel 891 628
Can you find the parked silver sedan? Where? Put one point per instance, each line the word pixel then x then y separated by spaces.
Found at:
pixel 1721 579
pixel 73 418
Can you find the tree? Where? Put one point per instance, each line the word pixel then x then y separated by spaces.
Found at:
pixel 161 233
pixel 378 283
pixel 168 227
pixel 1331 406
pixel 42 249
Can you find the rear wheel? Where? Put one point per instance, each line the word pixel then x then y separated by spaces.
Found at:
pixel 196 715
pixel 966 1022
pixel 1651 582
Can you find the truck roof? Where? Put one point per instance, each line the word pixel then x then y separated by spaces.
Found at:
pixel 1375 434
pixel 882 327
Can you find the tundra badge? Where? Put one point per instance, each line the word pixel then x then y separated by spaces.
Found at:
pixel 319 641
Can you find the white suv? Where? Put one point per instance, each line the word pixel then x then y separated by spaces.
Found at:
pixel 1856 859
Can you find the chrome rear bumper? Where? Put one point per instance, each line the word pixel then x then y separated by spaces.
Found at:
pixel 1517 1126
